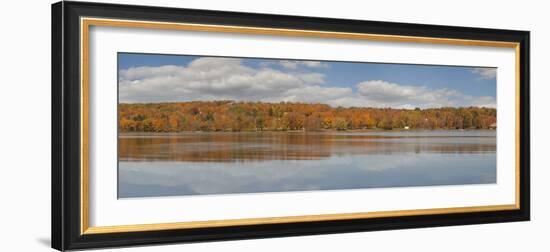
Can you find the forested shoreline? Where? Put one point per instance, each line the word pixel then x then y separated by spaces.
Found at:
pixel 287 116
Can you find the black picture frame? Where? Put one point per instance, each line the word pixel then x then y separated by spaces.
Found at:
pixel 66 114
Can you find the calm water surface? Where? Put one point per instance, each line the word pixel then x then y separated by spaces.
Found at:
pixel 197 163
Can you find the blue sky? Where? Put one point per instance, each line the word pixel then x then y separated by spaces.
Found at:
pixel 164 78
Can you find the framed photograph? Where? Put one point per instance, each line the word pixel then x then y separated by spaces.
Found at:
pixel 182 125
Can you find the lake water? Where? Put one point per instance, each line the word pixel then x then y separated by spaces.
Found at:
pixel 197 163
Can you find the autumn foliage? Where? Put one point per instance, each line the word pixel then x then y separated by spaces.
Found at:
pixel 261 116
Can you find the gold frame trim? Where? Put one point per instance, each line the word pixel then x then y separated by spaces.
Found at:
pixel 85 24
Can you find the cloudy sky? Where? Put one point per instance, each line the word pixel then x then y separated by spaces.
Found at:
pixel 145 78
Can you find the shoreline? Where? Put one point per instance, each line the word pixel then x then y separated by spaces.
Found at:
pixel 307 131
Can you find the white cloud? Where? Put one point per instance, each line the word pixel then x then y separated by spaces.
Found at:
pixel 318 94
pixel 315 64
pixel 391 93
pixel 230 79
pixel 210 78
pixel 294 64
pixel 289 64
pixel 387 94
pixel 480 101
pixel 485 73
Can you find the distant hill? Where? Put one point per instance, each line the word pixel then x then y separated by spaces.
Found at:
pixel 262 116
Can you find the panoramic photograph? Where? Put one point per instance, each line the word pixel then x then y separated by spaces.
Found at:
pixel 203 125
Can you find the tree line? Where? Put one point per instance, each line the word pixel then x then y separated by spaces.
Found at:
pixel 284 116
